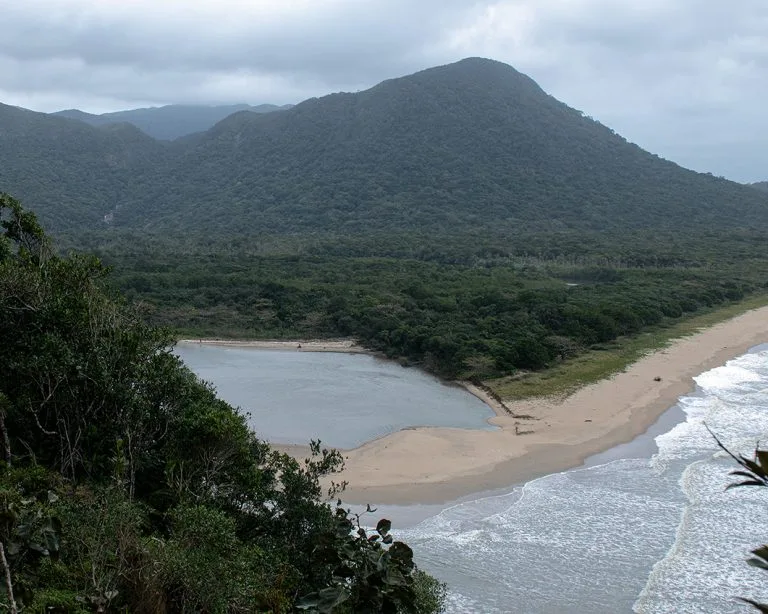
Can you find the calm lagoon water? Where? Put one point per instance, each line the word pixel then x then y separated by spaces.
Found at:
pixel 342 399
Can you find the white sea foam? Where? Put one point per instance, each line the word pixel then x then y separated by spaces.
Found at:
pixel 560 542
pixel 591 540
pixel 704 570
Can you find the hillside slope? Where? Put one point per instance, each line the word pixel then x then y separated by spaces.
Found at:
pixel 468 147
pixel 474 144
pixel 74 174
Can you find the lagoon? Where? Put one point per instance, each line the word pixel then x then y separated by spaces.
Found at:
pixel 344 400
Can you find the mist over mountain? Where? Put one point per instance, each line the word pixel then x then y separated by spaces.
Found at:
pixel 169 122
pixel 469 146
pixel 760 185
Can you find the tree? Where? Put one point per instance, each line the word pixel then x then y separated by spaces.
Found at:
pixel 127 485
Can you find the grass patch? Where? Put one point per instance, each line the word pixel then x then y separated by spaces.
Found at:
pixel 597 364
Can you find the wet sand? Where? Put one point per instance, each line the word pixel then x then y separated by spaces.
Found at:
pixel 436 465
pixel 299 345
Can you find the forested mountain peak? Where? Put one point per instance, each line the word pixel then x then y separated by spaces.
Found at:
pixel 760 185
pixel 468 145
pixel 473 146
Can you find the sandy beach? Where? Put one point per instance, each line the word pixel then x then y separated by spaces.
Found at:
pixel 436 465
pixel 299 345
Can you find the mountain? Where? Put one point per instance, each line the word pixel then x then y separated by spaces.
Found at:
pixel 471 146
pixel 459 218
pixel 760 185
pixel 172 121
pixel 72 173
pixel 474 144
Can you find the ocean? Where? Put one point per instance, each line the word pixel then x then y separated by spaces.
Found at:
pixel 652 532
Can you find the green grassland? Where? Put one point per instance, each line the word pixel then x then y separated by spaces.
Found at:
pixel 611 358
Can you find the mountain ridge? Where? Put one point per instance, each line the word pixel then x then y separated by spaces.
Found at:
pixel 471 121
pixel 71 173
pixel 169 122
pixel 470 146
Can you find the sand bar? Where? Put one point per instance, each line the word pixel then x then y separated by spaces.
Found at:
pixel 436 465
pixel 347 346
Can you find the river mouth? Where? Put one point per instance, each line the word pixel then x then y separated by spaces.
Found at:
pixel 342 399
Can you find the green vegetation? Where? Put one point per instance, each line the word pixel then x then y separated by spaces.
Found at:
pixel 75 173
pixel 459 219
pixel 753 472
pixel 608 359
pixel 127 486
pixel 494 315
pixel 474 146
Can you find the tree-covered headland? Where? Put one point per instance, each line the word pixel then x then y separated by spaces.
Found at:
pixel 126 485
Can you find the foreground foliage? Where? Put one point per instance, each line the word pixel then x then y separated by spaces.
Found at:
pixel 480 314
pixel 126 485
pixel 753 472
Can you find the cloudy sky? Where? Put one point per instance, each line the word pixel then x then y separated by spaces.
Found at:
pixel 687 79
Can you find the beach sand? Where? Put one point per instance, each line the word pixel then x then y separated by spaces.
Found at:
pixel 299 345
pixel 437 465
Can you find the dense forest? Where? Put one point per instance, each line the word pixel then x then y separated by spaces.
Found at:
pixel 474 145
pixel 126 485
pixel 479 317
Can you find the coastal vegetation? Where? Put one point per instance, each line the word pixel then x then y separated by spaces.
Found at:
pixel 459 219
pixel 480 319
pixel 608 359
pixel 127 485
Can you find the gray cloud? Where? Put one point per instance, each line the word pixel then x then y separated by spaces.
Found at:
pixel 341 40
pixel 683 78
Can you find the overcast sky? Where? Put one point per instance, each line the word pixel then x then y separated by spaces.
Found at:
pixel 687 79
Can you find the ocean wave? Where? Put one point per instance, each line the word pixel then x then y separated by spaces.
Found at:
pixel 649 535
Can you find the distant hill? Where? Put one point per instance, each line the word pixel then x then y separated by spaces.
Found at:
pixel 471 146
pixel 172 121
pixel 71 173
pixel 760 185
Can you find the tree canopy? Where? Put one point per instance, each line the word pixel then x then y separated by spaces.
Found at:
pixel 126 484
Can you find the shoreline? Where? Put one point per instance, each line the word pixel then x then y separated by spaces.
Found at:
pixel 536 437
pixel 541 436
pixel 346 346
